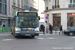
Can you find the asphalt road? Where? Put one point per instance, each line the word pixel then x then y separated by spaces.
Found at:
pixel 41 42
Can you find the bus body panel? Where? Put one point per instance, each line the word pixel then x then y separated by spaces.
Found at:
pixel 27 33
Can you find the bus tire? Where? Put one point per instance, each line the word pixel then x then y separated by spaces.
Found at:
pixel 15 36
pixel 32 36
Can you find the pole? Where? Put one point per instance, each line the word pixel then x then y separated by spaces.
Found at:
pixel 48 24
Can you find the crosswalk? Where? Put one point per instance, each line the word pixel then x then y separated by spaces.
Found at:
pixel 39 34
pixel 50 34
pixel 39 38
pixel 48 38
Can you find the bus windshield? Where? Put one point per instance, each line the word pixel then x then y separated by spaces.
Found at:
pixel 28 22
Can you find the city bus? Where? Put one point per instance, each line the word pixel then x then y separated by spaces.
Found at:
pixel 25 24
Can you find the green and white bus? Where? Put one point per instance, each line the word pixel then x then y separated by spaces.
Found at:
pixel 25 24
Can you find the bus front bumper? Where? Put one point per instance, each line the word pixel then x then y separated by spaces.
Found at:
pixel 25 33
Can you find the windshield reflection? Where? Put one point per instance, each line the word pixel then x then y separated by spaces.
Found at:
pixel 28 22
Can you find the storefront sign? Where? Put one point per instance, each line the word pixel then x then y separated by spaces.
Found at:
pixel 42 12
pixel 71 15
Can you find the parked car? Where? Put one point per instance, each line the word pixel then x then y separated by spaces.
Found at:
pixel 70 32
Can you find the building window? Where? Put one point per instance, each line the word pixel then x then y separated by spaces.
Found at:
pixel 46 8
pixel 72 1
pixel 5 9
pixel 0 0
pixel 72 4
pixel 56 2
pixel 18 2
pixel 0 7
pixel 13 11
pixel 22 3
pixel 70 20
pixel 14 1
pixel 5 1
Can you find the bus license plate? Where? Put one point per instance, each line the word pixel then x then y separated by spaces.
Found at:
pixel 27 34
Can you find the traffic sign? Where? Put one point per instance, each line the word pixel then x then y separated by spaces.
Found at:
pixel 47 17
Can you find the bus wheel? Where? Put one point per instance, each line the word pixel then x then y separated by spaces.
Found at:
pixel 15 36
pixel 32 36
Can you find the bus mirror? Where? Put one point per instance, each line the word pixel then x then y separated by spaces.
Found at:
pixel 39 17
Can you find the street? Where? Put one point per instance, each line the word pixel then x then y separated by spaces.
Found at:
pixel 41 42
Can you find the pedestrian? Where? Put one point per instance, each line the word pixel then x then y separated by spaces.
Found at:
pixel 43 28
pixel 50 28
pixel 60 29
pixel 3 25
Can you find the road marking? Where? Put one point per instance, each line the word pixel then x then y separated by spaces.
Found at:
pixel 72 37
pixel 41 38
pixel 46 38
pixel 49 34
pixel 7 39
pixel 51 38
pixel 40 34
pixel 45 34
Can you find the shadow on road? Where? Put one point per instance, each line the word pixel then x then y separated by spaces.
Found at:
pixel 24 37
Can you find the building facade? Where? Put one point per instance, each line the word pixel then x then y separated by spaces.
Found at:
pixel 40 5
pixel 30 5
pixel 60 12
pixel 17 5
pixel 4 10
pixel 9 7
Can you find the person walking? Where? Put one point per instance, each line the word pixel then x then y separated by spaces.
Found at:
pixel 3 25
pixel 60 29
pixel 43 28
pixel 50 28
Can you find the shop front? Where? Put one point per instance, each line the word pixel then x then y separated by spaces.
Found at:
pixel 4 22
pixel 70 20
pixel 56 21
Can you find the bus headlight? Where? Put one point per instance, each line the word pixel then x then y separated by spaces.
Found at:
pixel 37 29
pixel 17 29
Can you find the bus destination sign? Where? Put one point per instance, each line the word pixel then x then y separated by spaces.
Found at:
pixel 27 13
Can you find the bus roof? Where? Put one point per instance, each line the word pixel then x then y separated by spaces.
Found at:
pixel 21 11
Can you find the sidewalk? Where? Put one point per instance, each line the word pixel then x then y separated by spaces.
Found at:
pixel 5 32
pixel 54 33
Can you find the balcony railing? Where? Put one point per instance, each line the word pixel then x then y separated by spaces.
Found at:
pixel 46 8
pixel 55 6
pixel 71 5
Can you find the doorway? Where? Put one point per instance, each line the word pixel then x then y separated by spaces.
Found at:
pixel 56 21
